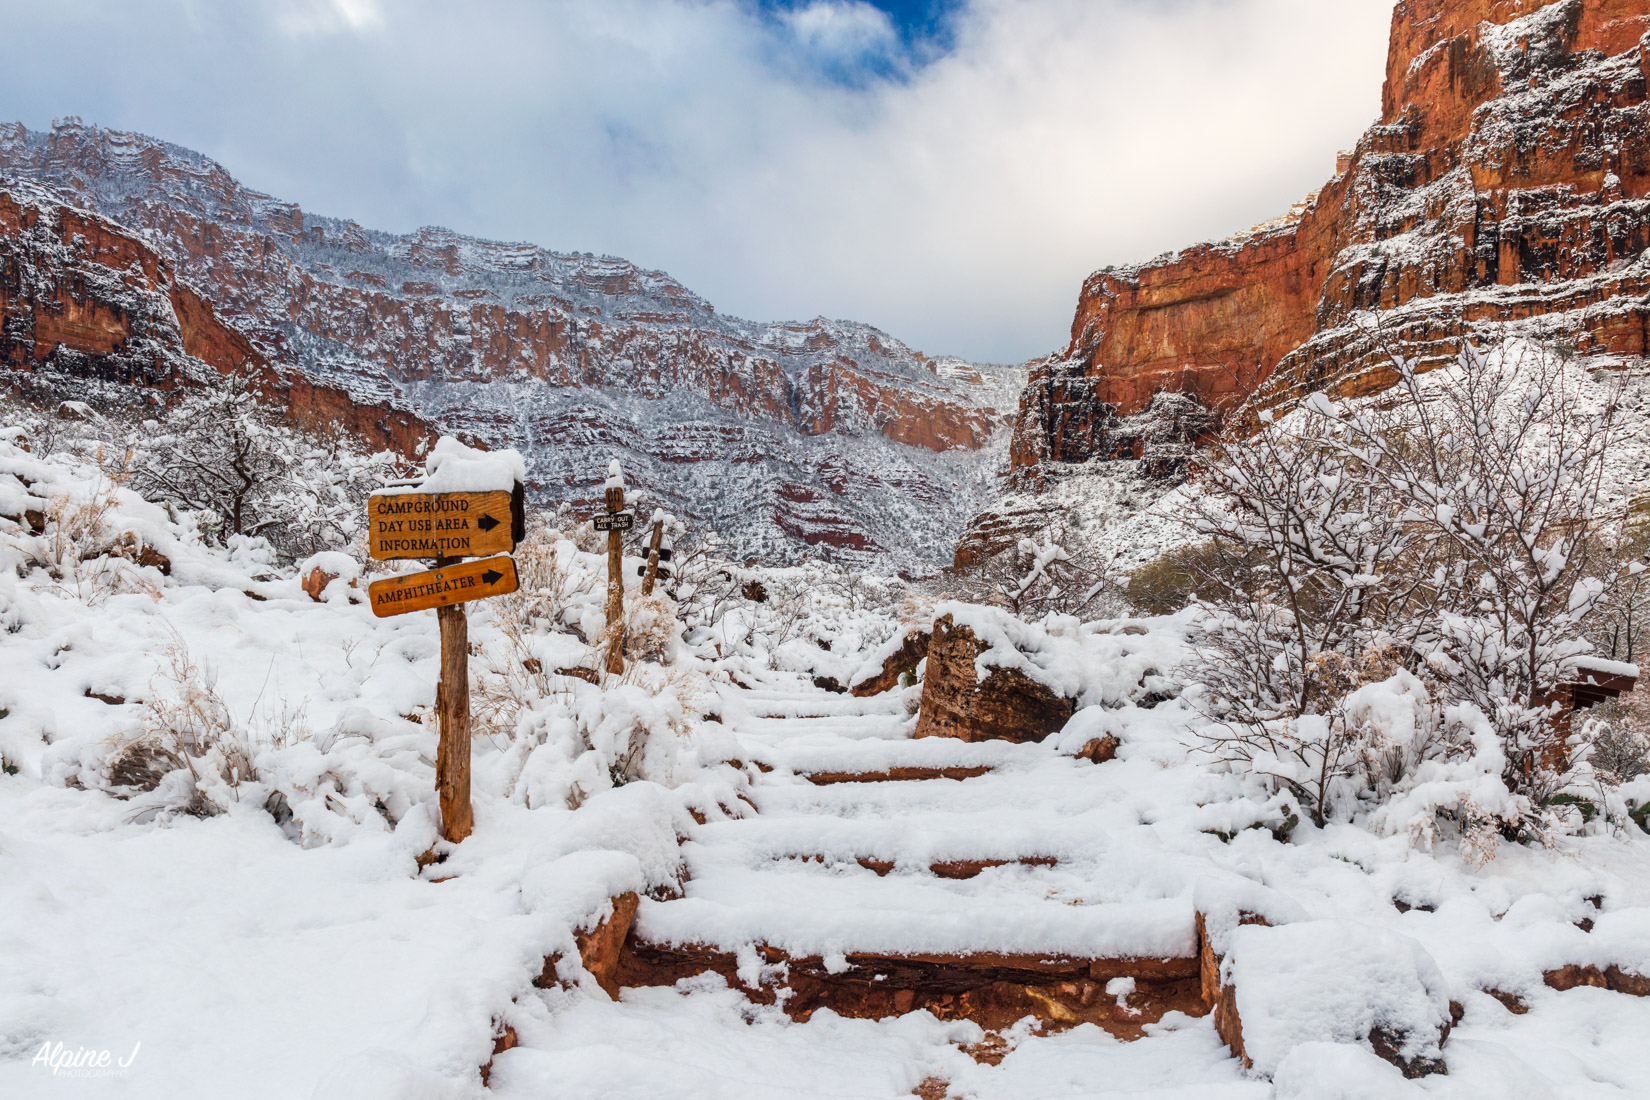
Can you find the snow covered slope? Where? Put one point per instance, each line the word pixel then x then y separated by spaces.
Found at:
pixel 250 915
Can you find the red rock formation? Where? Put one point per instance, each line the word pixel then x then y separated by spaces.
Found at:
pixel 83 297
pixel 913 648
pixel 1507 180
pixel 1006 705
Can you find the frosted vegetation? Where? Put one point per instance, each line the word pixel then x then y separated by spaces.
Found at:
pixel 1334 705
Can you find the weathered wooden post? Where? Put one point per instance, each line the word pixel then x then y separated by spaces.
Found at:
pixel 452 707
pixel 405 523
pixel 615 570
pixel 652 574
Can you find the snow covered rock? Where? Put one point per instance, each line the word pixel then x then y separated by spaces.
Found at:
pixel 960 699
pixel 1332 981
pixel 883 669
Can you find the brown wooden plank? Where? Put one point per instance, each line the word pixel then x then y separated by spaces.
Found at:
pixel 439 525
pixel 469 580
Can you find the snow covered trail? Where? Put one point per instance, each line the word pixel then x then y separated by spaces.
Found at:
pixel 1023 861
pixel 1032 855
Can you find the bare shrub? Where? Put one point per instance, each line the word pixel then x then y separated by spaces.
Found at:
pixel 1456 522
pixel 187 728
pixel 1060 570
pixel 221 452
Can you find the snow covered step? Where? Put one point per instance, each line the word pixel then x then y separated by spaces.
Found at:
pixel 834 727
pixel 784 704
pixel 994 797
pixel 806 910
pixel 931 758
pixel 809 946
pixel 967 868
pixel 938 839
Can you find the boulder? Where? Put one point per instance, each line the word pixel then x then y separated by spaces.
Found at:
pixel 315 582
pixel 1005 704
pixel 1331 981
pixel 882 673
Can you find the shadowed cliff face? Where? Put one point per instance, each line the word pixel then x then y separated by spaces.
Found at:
pixel 819 434
pixel 1505 189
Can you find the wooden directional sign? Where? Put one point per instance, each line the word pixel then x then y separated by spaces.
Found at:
pixel 614 521
pixel 469 580
pixel 439 525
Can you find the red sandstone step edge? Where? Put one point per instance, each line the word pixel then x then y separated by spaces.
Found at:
pixel 947 868
pixel 991 989
pixel 896 775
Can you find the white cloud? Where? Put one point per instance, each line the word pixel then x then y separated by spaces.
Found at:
pixel 842 32
pixel 306 17
pixel 959 208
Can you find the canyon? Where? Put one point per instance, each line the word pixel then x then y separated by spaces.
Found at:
pixel 1504 191
pixel 788 439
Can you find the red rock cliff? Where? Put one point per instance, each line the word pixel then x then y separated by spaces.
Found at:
pixel 83 297
pixel 1506 183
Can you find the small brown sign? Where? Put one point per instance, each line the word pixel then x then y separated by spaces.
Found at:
pixel 468 580
pixel 614 521
pixel 439 525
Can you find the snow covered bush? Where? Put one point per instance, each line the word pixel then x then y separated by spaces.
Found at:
pixel 1454 527
pixel 219 451
pixel 1060 571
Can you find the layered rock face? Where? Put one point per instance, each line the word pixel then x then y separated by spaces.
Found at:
pixel 82 299
pixel 820 433
pixel 1505 190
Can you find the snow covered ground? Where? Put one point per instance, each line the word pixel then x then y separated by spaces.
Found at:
pixel 268 928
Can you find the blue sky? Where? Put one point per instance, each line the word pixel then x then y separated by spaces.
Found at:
pixel 949 170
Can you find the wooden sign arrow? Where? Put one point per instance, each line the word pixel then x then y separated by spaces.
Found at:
pixel 438 525
pixel 468 580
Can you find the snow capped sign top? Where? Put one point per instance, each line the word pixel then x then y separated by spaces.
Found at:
pixel 469 504
pixel 454 468
pixel 615 474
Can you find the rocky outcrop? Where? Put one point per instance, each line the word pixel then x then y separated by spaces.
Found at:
pixel 1005 705
pixel 600 946
pixel 878 678
pixel 821 433
pixel 1505 189
pixel 83 299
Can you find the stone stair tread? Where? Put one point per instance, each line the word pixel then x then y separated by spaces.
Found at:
pixel 941 837
pixel 829 728
pixel 963 868
pixel 806 914
pixel 834 757
pixel 774 705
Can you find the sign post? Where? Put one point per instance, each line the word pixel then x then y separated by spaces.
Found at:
pixel 447 527
pixel 452 708
pixel 615 564
pixel 652 574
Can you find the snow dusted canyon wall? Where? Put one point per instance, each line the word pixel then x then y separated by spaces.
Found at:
pixel 1505 190
pixel 792 437
pixel 1506 186
pixel 83 300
